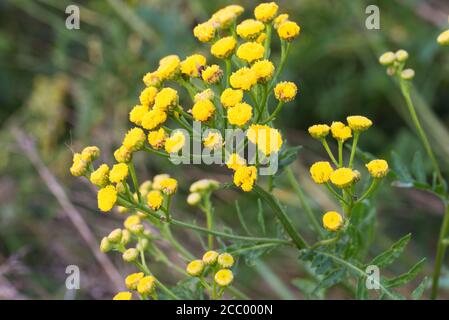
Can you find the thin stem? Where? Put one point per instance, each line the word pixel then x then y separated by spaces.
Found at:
pixel 329 152
pixel 335 193
pixel 302 199
pixel 182 124
pixel 340 153
pixel 228 71
pixel 441 250
pixel 285 47
pixel 264 102
pixel 370 189
pixel 275 112
pixel 180 248
pixel 267 44
pixel 209 221
pixel 159 153
pixel 132 170
pixel 353 148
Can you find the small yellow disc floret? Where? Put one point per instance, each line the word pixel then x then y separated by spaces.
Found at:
pixel 321 171
pixel 332 221
pixel 377 168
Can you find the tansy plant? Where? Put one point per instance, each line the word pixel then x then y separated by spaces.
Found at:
pixel 238 87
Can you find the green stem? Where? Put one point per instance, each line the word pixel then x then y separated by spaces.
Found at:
pixel 132 170
pixel 441 250
pixel 264 102
pixel 340 153
pixel 209 221
pixel 302 199
pixel 299 241
pixel 159 153
pixel 267 44
pixel 329 152
pixel 370 189
pixel 275 113
pixel 335 193
pixel 285 49
pixel 353 148
pixel 228 71
pixel 180 248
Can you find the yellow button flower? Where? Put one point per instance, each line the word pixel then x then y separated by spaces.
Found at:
pixel 191 65
pixel 169 186
pixel 319 131
pixel 235 161
pixel 288 30
pixel 213 141
pixel 152 79
pixel 250 51
pixel 223 48
pixel 195 268
pixel 231 97
pixel 245 177
pixel 105 245
pixel 359 123
pixel 166 99
pixel 332 221
pixel 115 236
pixel 146 285
pixel 387 58
pixel 131 221
pixel 223 18
pixel 443 38
pixel 377 168
pixel 168 67
pixel 123 154
pixel 321 171
pixel 107 197
pixel 90 154
pixel 147 96
pixel 79 166
pixel 401 55
pixel 118 173
pixel 264 70
pixel 133 279
pixel 212 74
pixel 249 29
pixel 261 38
pixel 266 12
pixel 137 113
pixel 240 114
pixel 157 179
pixel 340 131
pixel 130 255
pixel 157 138
pixel 204 32
pixel 123 295
pixel 155 199
pixel 342 177
pixel 224 277
pixel 175 142
pixel 267 139
pixel 153 119
pixel 194 198
pixel 203 110
pixel 210 257
pixel 280 19
pixel 285 91
pixel 100 177
pixel 207 94
pixel 225 260
pixel 134 139
pixel 243 78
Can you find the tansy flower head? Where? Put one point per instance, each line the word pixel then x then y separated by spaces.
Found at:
pixel 207 94
pixel 204 32
pixel 134 139
pixel 90 154
pixel 123 154
pixel 280 19
pixel 137 113
pixel 155 199
pixel 340 131
pixel 168 67
pixel 244 78
pixel 401 55
pixel 235 161
pixel 147 96
pixel 213 140
pixel 126 237
pixel 145 187
pixel 223 48
pixel 212 74
pixel 266 12
pixel 240 114
pixel 175 142
pixel 130 255
pixel 387 58
pixel 105 245
pixel 245 177
pixel 152 79
pixel 153 119
pixel 191 65
pixel 267 139
pixel 118 173
pixel 261 38
pixel 225 16
pixel 169 186
pixel 195 268
pixel 377 168
pixel 321 171
pixel 123 295
pixel 224 277
pixel 225 260
pixel 443 38
pixel 157 138
pixel 133 279
pixel 250 51
pixel 204 185
pixel 408 74
pixel 166 99
pixel 285 91
pixel 288 30
pixel 146 285
pixel 249 29
pixel 264 70
pixel 194 198
pixel 132 220
pixel 332 221
pixel 157 179
pixel 107 197
pixel 359 123
pixel 79 166
pixel 203 110
pixel 231 97
pixel 210 257
pixel 342 177
pixel 319 131
pixel 100 177
pixel 115 236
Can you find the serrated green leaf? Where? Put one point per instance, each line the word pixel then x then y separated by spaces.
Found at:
pixel 390 255
pixel 405 277
pixel 418 292
pixel 331 279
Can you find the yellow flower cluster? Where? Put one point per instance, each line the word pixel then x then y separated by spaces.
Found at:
pixel 219 264
pixel 395 63
pixel 267 139
pixel 245 177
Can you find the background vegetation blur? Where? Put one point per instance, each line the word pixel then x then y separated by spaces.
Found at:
pixel 69 88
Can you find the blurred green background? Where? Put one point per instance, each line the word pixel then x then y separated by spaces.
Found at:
pixel 69 88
